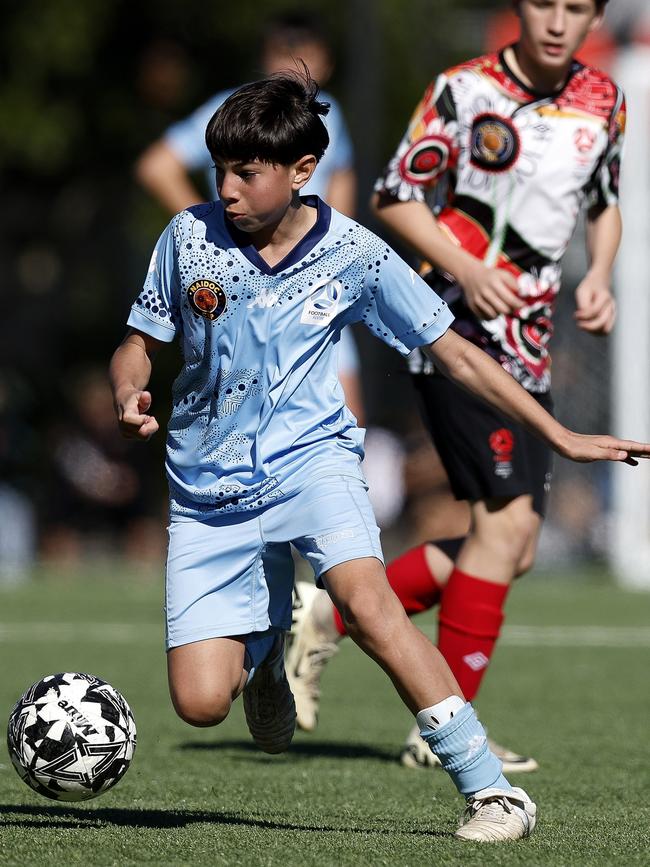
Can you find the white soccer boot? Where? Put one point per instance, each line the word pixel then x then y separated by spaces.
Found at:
pixel 417 755
pixel 268 703
pixel 496 815
pixel 308 653
pixel 512 762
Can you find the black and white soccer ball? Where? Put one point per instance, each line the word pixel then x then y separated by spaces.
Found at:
pixel 71 736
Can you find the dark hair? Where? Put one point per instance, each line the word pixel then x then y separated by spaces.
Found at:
pixel 275 120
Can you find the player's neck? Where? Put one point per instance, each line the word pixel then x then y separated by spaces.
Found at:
pixel 533 75
pixel 276 241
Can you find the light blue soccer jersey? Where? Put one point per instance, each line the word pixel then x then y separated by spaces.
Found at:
pixel 187 140
pixel 258 411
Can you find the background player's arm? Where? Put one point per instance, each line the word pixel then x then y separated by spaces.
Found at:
pixel 163 174
pixel 488 291
pixel 351 385
pixel 595 305
pixel 342 191
pixel 129 372
pixel 479 374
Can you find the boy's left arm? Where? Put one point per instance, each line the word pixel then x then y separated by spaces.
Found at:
pixel 474 370
pixel 595 305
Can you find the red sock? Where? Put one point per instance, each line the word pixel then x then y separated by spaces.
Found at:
pixel 412 581
pixel 471 614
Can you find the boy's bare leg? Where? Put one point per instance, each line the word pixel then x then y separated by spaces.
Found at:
pixel 205 677
pixel 375 619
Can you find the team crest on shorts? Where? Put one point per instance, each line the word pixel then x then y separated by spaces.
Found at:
pixel 207 299
pixel 502 443
pixel 494 143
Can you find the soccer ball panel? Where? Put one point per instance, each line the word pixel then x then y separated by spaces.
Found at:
pixel 71 736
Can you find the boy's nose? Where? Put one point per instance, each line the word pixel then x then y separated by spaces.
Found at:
pixel 226 189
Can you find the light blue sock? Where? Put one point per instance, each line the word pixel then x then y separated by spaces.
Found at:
pixel 461 746
pixel 258 647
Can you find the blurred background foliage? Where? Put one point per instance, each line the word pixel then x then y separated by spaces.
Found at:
pixel 80 73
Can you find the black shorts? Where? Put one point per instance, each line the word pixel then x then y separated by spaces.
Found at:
pixel 484 453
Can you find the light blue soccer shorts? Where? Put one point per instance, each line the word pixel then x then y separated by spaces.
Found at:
pixel 233 575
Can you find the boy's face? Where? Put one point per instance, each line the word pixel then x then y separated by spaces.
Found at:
pixel 256 194
pixel 553 30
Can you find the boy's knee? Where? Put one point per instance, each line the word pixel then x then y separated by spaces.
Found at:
pixel 202 711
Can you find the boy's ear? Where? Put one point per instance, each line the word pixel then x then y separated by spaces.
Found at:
pixel 303 170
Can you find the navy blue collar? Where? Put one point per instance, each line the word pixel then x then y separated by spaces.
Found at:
pixel 304 245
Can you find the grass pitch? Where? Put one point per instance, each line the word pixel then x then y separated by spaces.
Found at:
pixel 569 684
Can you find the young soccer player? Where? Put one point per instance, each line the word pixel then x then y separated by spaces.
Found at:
pixel 262 452
pixel 521 139
pixel 165 166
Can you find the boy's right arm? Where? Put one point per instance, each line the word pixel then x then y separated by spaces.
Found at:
pixel 129 373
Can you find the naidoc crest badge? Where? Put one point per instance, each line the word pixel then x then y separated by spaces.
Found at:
pixel 494 142
pixel 207 299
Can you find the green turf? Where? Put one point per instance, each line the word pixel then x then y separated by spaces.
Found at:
pixel 339 797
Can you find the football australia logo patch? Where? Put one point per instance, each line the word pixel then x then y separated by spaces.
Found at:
pixel 323 303
pixel 494 143
pixel 207 299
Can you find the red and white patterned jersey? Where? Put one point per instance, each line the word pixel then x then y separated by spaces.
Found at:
pixel 519 165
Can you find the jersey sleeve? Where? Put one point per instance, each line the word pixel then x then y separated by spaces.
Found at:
pixel 156 309
pixel 398 306
pixel 428 149
pixel 602 190
pixel 187 137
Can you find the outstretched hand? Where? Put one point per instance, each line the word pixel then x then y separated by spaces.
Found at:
pixel 132 417
pixel 585 448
